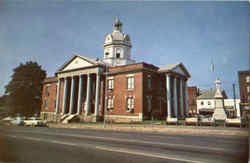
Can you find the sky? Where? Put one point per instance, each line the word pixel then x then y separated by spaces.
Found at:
pixel 164 32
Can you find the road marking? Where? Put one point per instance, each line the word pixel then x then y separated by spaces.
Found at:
pixel 112 149
pixel 133 152
pixel 182 146
pixel 37 139
pixel 145 142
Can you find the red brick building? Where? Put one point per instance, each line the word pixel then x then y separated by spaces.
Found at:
pixel 115 87
pixel 193 93
pixel 244 84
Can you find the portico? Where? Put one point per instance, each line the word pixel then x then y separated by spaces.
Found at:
pixel 176 90
pixel 79 89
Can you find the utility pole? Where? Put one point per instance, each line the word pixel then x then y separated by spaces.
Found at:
pixel 105 98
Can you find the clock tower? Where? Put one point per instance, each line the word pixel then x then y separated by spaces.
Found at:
pixel 117 47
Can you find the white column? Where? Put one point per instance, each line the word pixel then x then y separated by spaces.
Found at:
pixel 186 98
pixel 71 104
pixel 79 103
pixel 181 97
pixel 87 102
pixel 65 93
pixel 58 95
pixel 169 96
pixel 97 93
pixel 238 110
pixel 175 97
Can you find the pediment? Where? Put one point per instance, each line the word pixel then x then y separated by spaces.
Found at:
pixel 179 70
pixel 175 68
pixel 76 62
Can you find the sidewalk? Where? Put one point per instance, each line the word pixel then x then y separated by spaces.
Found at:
pixel 172 129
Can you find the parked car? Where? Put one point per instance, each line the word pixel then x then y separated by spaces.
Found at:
pixel 35 121
pixel 19 121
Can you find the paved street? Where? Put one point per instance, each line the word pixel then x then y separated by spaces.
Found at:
pixel 49 145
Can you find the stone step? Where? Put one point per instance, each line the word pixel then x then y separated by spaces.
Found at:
pixel 70 117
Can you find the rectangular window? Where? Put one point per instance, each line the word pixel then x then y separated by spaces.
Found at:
pixel 149 81
pixel 130 104
pixel 110 84
pixel 46 103
pixel 110 103
pixel 55 103
pixel 47 90
pixel 45 116
pixel 248 89
pixel 130 82
pixel 149 99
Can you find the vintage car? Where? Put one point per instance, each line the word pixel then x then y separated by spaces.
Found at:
pixel 35 121
pixel 19 121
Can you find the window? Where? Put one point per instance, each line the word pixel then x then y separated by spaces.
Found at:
pixel 55 103
pixel 202 103
pixel 110 84
pixel 110 104
pixel 46 103
pixel 47 90
pixel 248 79
pixel 208 103
pixel 118 53
pixel 248 89
pixel 149 99
pixel 45 116
pixel 149 81
pixel 130 82
pixel 130 104
pixel 193 102
pixel 56 90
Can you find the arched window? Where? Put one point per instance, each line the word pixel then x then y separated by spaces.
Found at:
pixel 118 53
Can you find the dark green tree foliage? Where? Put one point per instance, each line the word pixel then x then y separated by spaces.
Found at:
pixel 3 100
pixel 25 89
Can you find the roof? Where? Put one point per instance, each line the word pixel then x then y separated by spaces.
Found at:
pixel 209 94
pixel 244 72
pixel 172 67
pixel 168 67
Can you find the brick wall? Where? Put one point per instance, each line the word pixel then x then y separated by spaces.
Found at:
pixel 51 97
pixel 192 99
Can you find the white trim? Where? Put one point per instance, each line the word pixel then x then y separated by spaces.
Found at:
pixel 110 77
pixel 130 75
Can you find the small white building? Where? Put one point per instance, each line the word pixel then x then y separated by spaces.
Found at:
pixel 206 103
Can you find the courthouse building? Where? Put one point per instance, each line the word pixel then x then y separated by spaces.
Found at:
pixel 115 87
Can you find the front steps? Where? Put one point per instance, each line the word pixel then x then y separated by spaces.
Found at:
pixel 67 118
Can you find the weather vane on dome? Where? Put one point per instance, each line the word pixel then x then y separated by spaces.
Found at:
pixel 118 24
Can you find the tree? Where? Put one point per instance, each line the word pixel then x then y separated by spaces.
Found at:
pixel 3 100
pixel 25 89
